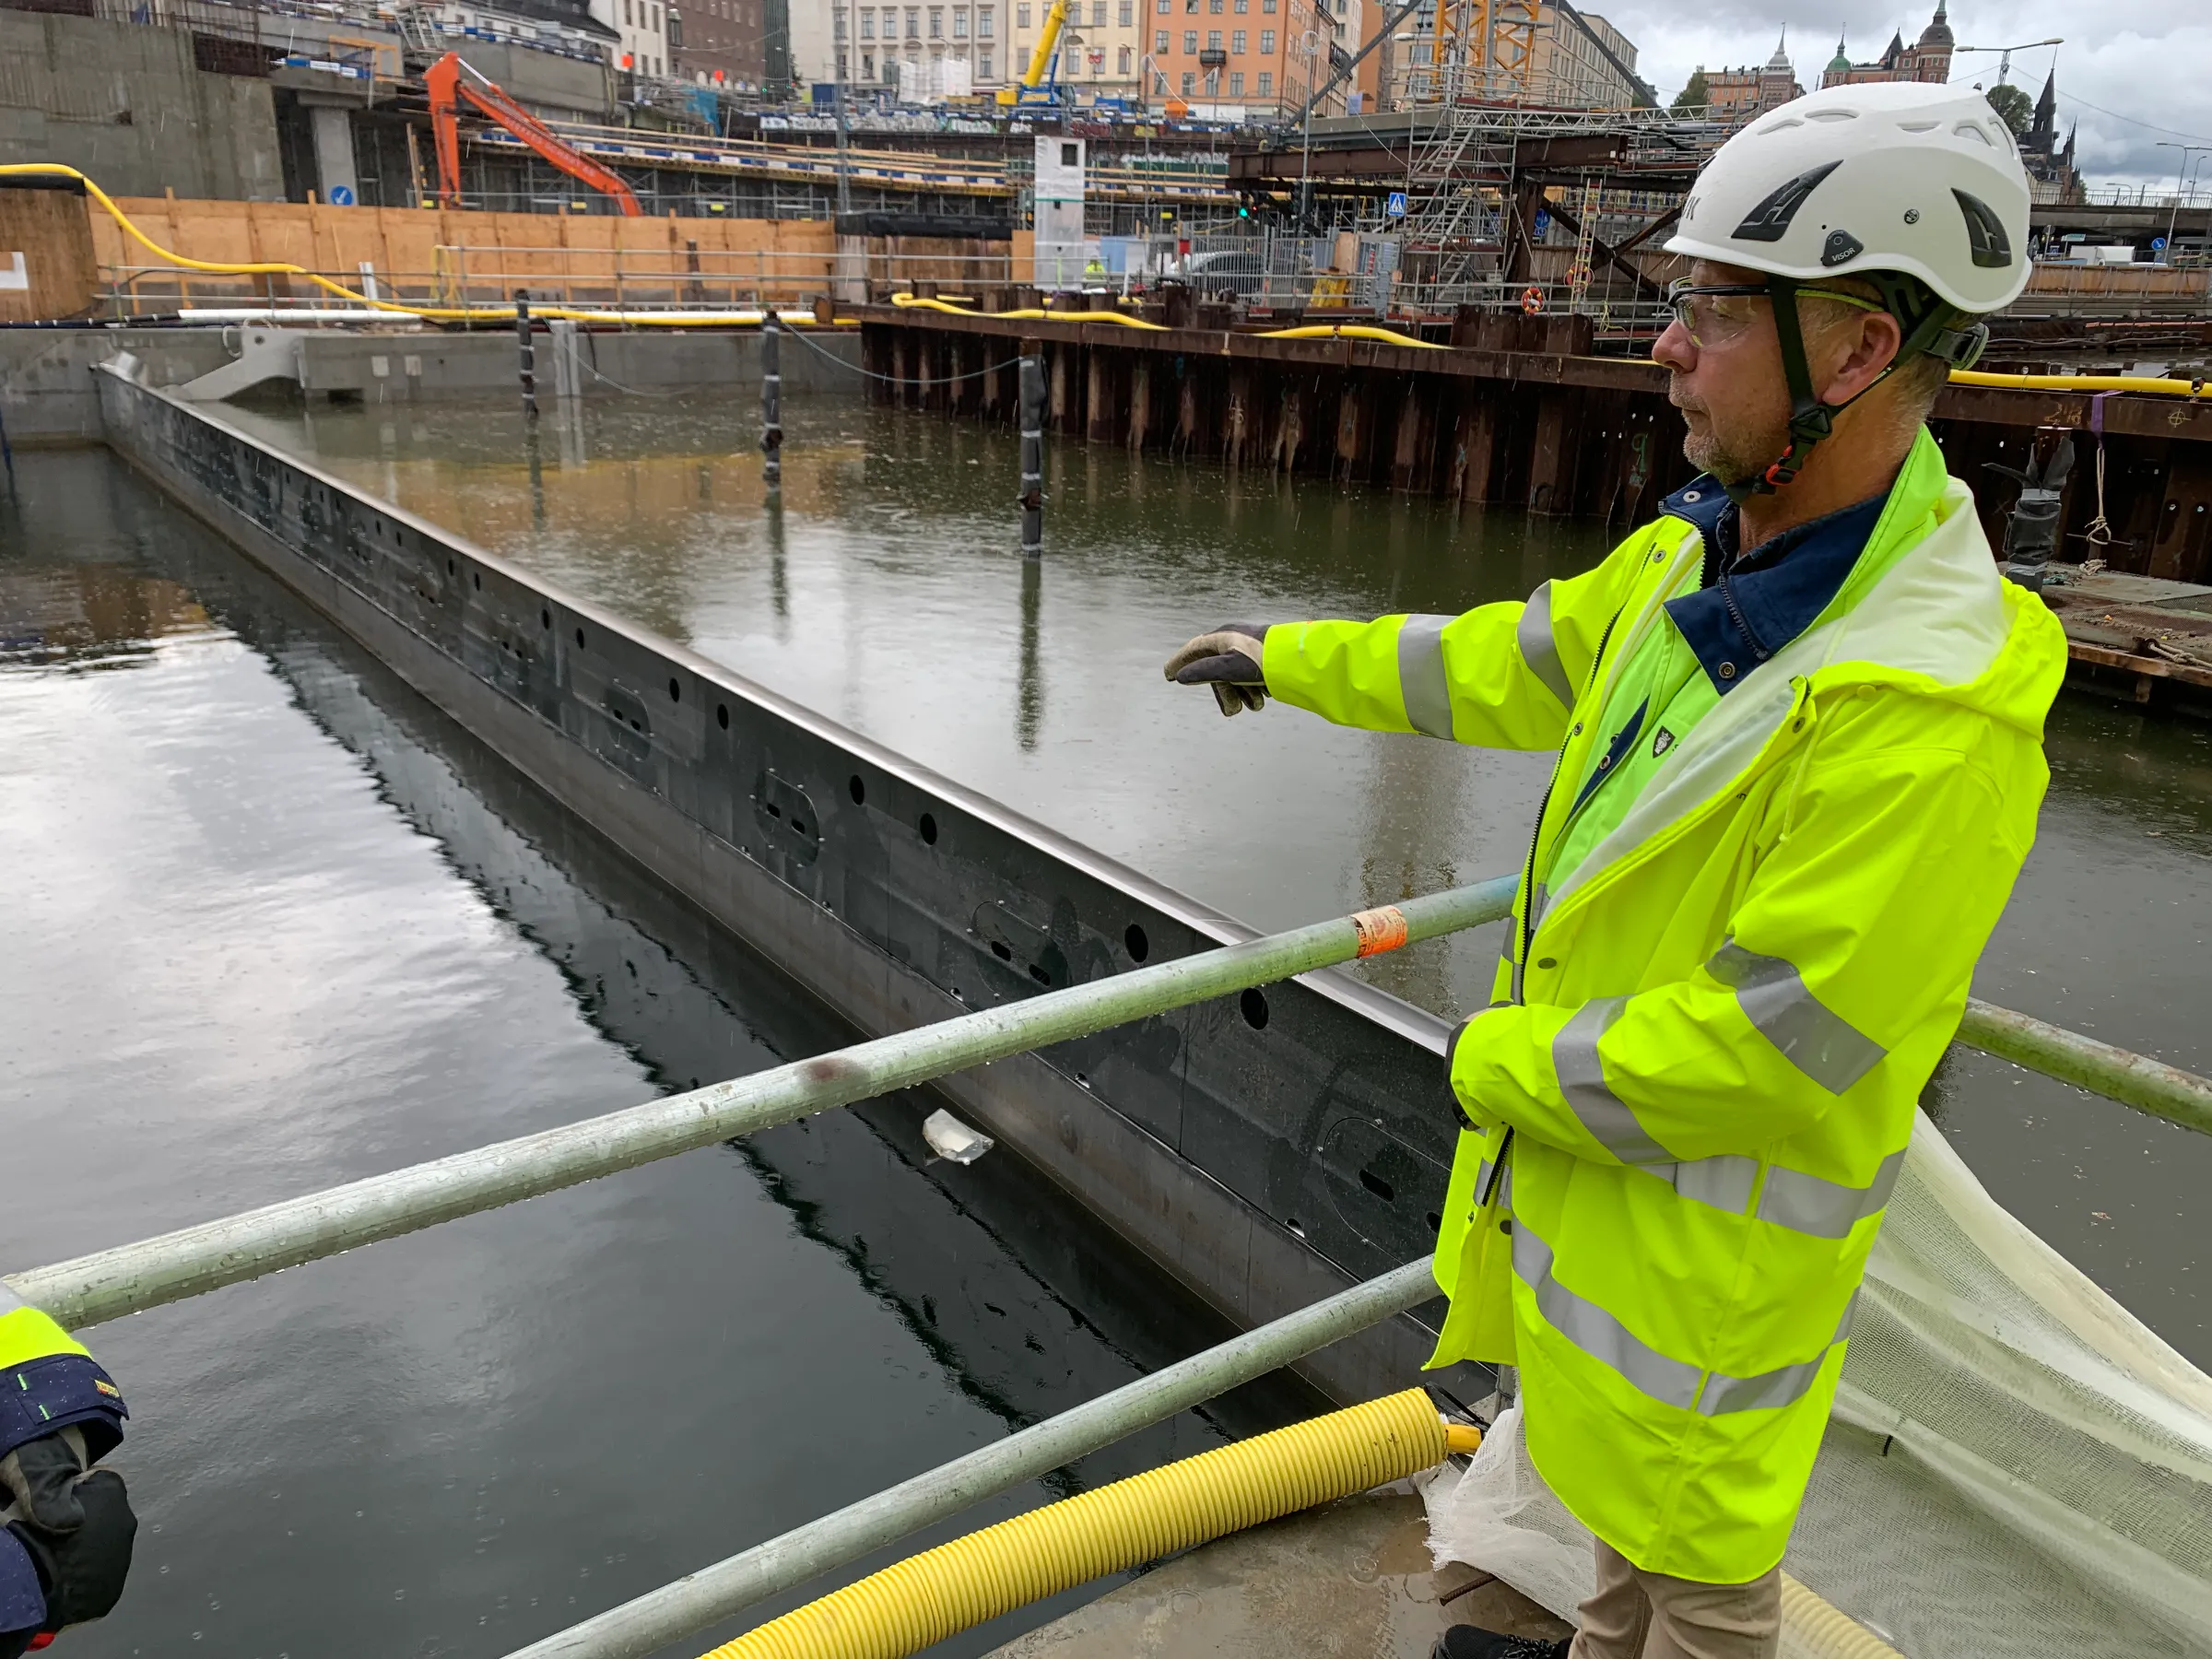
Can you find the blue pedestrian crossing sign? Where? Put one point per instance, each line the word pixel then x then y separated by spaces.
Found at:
pixel 1396 206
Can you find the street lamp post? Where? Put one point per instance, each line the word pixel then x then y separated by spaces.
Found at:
pixel 2181 183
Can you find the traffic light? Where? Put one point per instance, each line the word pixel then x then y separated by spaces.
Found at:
pixel 1243 210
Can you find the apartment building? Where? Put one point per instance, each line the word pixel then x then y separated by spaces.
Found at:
pixel 1230 57
pixel 1105 57
pixel 723 42
pixel 644 28
pixel 863 43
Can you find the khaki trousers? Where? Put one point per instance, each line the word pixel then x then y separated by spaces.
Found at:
pixel 1637 1615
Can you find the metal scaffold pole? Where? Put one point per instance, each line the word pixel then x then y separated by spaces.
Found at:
pixel 132 1277
pixel 715 1593
pixel 1032 451
pixel 528 354
pixel 772 398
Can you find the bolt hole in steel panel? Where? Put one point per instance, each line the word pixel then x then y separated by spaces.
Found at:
pixel 944 899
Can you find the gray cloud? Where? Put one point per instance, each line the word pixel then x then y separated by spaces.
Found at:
pixel 2148 60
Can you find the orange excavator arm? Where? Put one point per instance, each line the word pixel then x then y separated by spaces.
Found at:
pixel 451 82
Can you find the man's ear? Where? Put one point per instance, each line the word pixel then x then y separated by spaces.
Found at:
pixel 1868 350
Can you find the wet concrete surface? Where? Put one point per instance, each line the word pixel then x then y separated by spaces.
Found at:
pixel 274 924
pixel 884 590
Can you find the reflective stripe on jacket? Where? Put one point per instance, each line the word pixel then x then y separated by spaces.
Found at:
pixel 1695 1086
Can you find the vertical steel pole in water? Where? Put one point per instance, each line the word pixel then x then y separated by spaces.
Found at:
pixel 1033 452
pixel 529 354
pixel 772 398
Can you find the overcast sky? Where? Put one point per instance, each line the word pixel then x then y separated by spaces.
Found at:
pixel 2151 60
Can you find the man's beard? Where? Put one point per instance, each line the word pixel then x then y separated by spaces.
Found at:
pixel 1724 460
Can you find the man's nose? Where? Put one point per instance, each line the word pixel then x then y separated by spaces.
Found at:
pixel 1675 349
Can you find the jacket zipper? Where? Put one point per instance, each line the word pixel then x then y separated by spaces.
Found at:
pixel 1528 899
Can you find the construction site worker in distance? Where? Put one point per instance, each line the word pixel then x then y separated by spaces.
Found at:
pixel 65 1527
pixel 1799 730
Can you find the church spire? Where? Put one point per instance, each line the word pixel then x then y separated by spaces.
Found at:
pixel 2046 111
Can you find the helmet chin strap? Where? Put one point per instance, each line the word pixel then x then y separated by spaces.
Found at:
pixel 1810 418
pixel 1928 325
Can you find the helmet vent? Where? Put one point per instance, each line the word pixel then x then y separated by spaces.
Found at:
pixel 1770 221
pixel 1831 115
pixel 1985 237
pixel 1842 248
pixel 1917 126
pixel 1970 129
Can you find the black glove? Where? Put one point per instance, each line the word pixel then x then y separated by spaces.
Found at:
pixel 77 1527
pixel 1228 660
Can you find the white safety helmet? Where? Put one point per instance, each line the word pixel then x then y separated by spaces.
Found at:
pixel 1914 187
pixel 1902 176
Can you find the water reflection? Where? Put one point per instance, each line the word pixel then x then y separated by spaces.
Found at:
pixel 276 925
pixel 884 602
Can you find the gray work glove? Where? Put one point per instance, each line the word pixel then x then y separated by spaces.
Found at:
pixel 76 1527
pixel 1228 660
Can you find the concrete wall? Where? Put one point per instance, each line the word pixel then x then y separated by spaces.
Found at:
pixel 128 106
pixel 47 394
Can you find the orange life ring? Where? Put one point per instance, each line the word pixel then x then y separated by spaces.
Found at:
pixel 1532 299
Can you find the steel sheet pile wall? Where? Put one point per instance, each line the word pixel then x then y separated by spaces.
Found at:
pixel 1267 1150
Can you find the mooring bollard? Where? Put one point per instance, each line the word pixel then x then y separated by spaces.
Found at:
pixel 529 353
pixel 771 399
pixel 1032 454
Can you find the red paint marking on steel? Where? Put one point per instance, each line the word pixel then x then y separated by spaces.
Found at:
pixel 1380 930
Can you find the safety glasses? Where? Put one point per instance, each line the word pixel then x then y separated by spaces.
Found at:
pixel 1717 313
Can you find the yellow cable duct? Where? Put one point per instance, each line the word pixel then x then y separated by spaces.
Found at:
pixel 225 267
pixel 2078 382
pixel 938 1594
pixel 959 1585
pixel 1312 331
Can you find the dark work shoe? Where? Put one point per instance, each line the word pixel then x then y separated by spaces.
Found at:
pixel 1465 1641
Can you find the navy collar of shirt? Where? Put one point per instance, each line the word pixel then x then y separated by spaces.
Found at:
pixel 1749 607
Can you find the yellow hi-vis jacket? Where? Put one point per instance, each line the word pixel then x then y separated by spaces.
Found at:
pixel 1694 1089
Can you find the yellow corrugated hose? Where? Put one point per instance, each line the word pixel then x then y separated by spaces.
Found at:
pixel 1819 1627
pixel 957 1585
pixel 430 313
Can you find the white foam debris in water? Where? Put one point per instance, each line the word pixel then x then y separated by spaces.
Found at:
pixel 948 1137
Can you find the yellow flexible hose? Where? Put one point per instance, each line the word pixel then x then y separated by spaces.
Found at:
pixel 434 313
pixel 1350 331
pixel 2078 382
pixel 957 1585
pixel 1310 331
pixel 1819 1627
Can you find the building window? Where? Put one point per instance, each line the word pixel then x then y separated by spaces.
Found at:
pixel 1242 7
pixel 1190 83
pixel 1021 17
pixel 982 26
pixel 1128 15
pixel 1236 83
pixel 959 25
pixel 983 65
pixel 1236 42
pixel 1123 63
pixel 1266 84
pixel 867 65
pixel 1098 14
pixel 1159 44
pixel 630 18
pixel 937 22
pixel 867 25
pixel 1161 7
pixel 838 30
pixel 841 71
pixel 1213 39
pixel 1190 39
pixel 1266 43
pixel 1214 6
pixel 913 22
pixel 1267 6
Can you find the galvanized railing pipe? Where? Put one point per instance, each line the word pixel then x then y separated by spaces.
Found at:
pixel 712 1593
pixel 2137 1080
pixel 132 1277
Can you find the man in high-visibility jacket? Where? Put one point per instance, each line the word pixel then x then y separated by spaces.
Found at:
pixel 1799 723
pixel 65 1527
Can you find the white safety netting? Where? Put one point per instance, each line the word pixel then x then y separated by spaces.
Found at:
pixel 2016 1463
